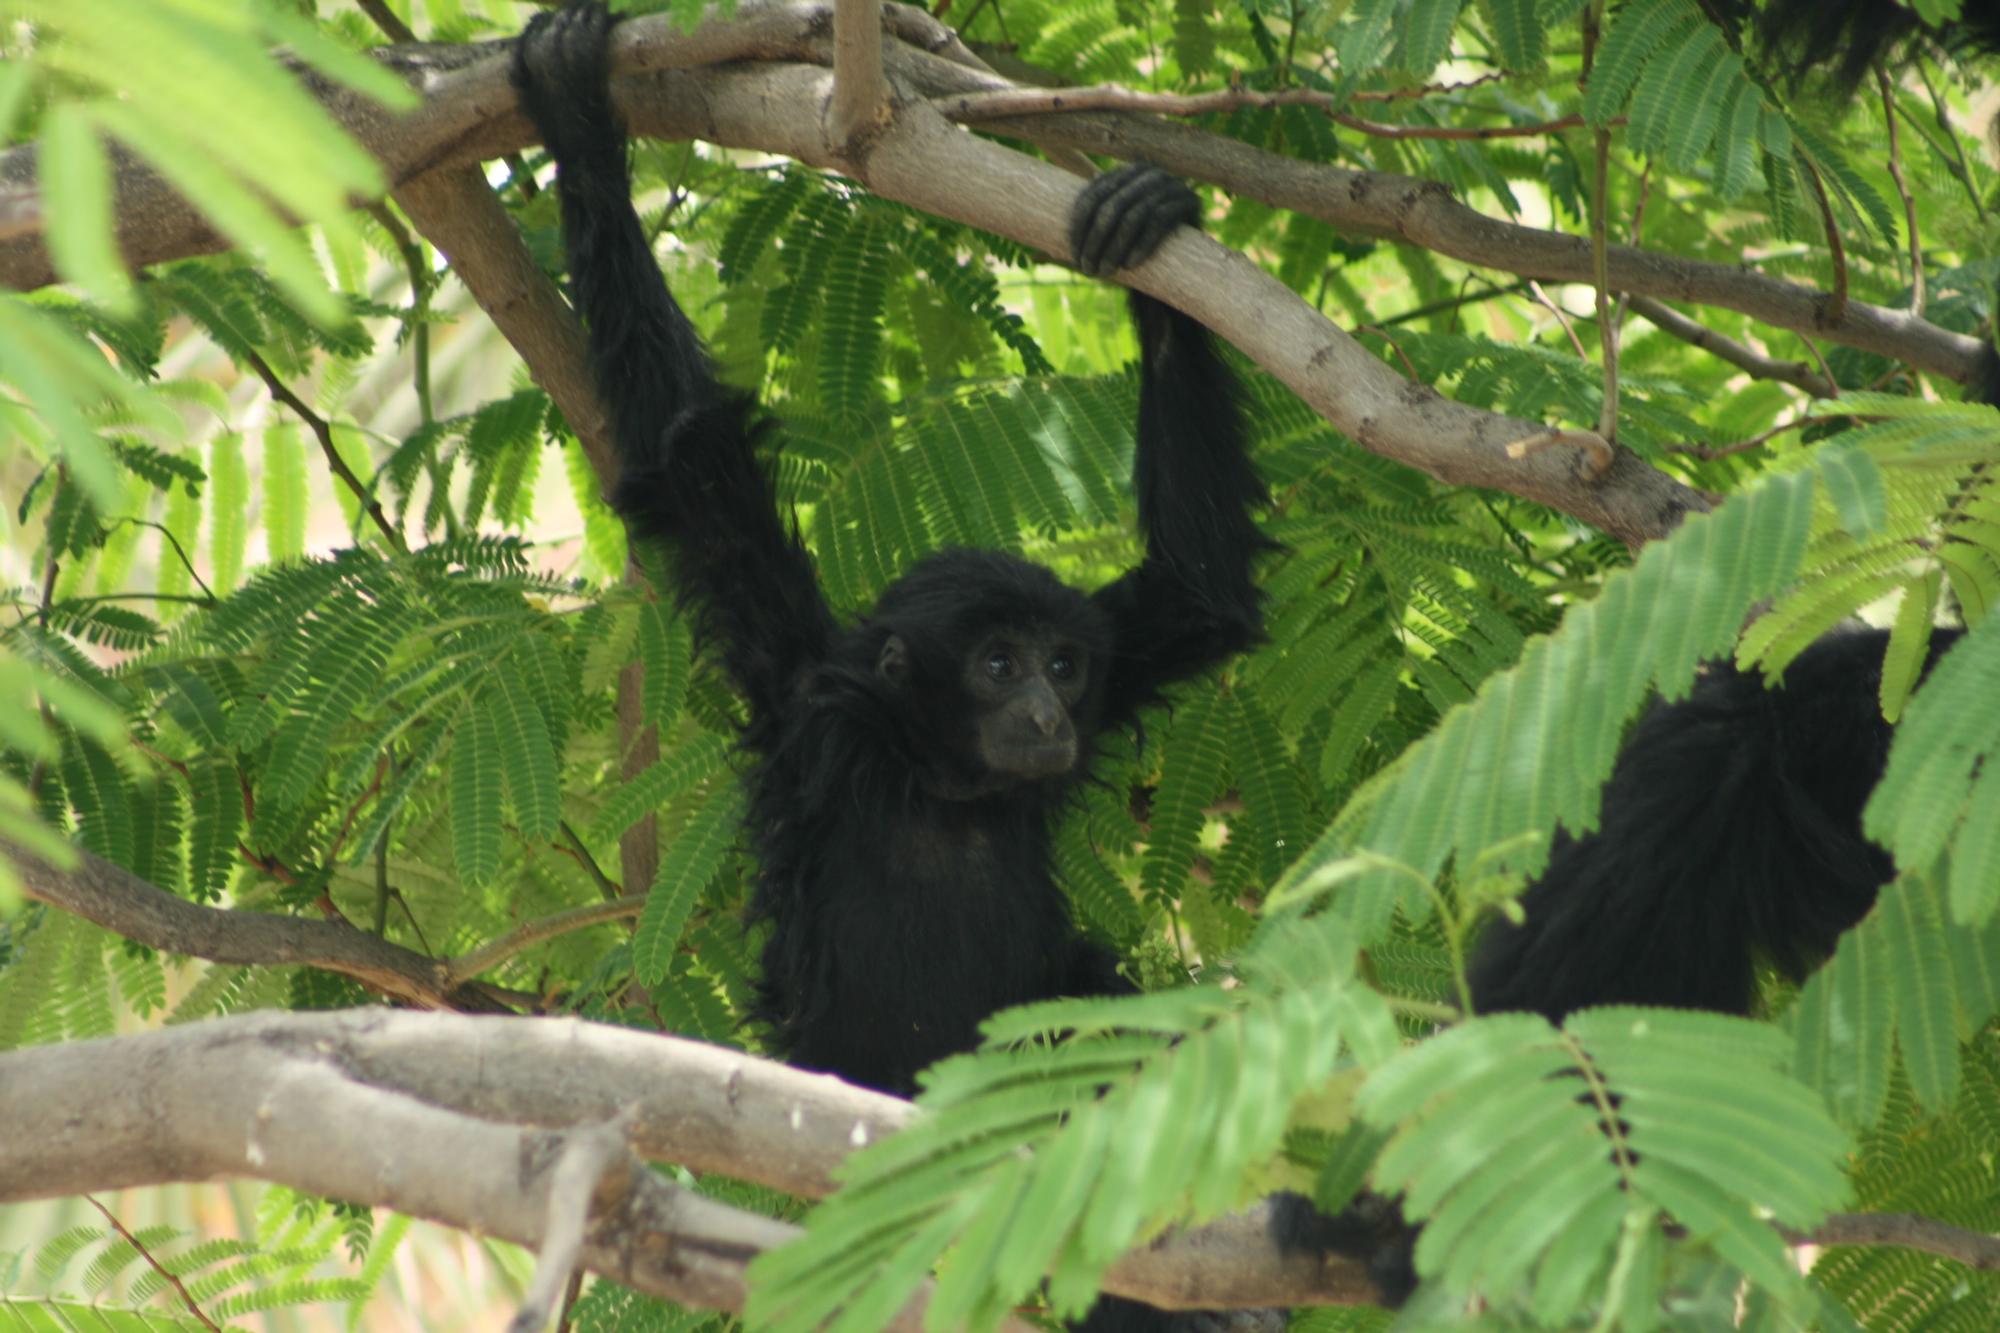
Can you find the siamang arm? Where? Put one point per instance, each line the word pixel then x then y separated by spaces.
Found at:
pixel 688 471
pixel 1190 603
pixel 1730 831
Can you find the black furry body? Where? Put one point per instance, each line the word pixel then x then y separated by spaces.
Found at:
pixel 1730 833
pixel 1846 39
pixel 904 868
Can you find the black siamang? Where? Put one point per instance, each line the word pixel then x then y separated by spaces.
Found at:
pixel 1846 39
pixel 905 768
pixel 1731 827
pixel 1730 832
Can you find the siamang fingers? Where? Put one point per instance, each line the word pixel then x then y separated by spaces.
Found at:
pixel 1124 215
pixel 562 73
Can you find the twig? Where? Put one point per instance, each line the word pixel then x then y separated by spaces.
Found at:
pixel 1975 1249
pixel 466 966
pixel 1110 97
pixel 1713 451
pixel 166 1275
pixel 581 854
pixel 1562 318
pixel 1671 321
pixel 1409 368
pixel 208 593
pixel 334 462
pixel 385 18
pixel 1835 305
pixel 589 1156
pixel 1600 226
pixel 1903 190
pixel 121 902
pixel 1598 453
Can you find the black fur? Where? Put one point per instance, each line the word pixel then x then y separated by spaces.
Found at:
pixel 907 882
pixel 1846 39
pixel 1731 832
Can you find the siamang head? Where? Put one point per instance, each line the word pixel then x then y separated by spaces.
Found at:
pixel 1001 666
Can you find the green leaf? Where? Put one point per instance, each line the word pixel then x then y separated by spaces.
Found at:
pixel 475 772
pixel 694 857
pixel 75 176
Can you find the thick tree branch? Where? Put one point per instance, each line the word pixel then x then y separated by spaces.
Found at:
pixel 402 1110
pixel 468 116
pixel 860 92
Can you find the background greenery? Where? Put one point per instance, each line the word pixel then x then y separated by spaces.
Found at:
pixel 224 674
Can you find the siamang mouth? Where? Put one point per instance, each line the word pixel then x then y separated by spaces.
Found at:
pixel 1034 761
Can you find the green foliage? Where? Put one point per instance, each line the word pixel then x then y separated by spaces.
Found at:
pixel 164 1278
pixel 257 700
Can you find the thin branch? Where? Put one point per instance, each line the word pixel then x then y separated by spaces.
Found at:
pixel 1795 373
pixel 120 901
pixel 468 965
pixel 1562 318
pixel 860 91
pixel 1975 1249
pixel 1836 245
pixel 1111 97
pixel 1757 441
pixel 1903 192
pixel 166 1274
pixel 180 552
pixel 385 18
pixel 581 854
pixel 334 462
pixel 1600 227
pixel 593 1159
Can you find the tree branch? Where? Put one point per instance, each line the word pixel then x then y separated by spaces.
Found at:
pixel 860 92
pixel 402 1110
pixel 1795 373
pixel 121 902
pixel 468 116
pixel 1909 1231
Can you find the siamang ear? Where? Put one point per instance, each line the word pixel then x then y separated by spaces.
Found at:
pixel 893 665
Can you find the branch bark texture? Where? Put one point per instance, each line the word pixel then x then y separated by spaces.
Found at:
pixel 466 1120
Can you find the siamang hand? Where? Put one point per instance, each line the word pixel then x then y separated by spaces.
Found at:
pixel 562 73
pixel 1123 215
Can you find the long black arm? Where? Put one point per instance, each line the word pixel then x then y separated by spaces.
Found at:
pixel 1191 602
pixel 1731 831
pixel 688 469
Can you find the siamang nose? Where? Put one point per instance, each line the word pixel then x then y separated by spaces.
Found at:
pixel 1048 716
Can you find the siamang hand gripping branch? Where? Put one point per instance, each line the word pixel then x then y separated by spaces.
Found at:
pixel 906 768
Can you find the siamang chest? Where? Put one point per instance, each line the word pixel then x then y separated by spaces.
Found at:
pixel 962 920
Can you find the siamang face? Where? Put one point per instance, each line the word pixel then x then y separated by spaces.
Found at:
pixel 1026 688
pixel 1019 694
pixel 997 666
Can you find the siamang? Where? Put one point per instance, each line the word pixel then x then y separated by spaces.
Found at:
pixel 1845 39
pixel 1730 832
pixel 905 769
pixel 1731 827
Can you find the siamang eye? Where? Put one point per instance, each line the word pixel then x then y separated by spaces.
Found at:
pixel 1062 668
pixel 1000 666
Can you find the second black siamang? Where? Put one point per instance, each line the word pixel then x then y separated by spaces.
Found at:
pixel 905 768
pixel 1730 833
